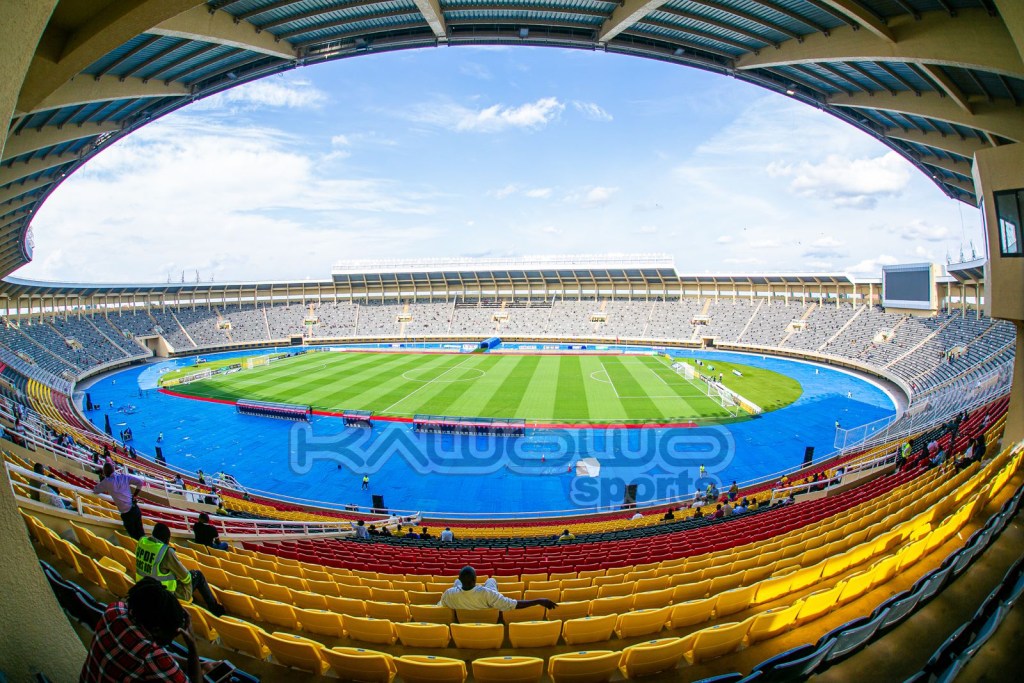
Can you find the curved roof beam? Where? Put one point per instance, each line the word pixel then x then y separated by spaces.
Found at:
pixel 982 42
pixel 965 147
pixel 862 16
pixel 65 51
pixel 15 172
pixel 999 118
pixel 221 28
pixel 33 139
pixel 431 11
pixel 625 15
pixel 86 90
pixel 15 191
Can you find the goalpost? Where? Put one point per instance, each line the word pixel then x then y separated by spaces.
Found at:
pixel 257 361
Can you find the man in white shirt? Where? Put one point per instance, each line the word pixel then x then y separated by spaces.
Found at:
pixel 465 594
pixel 447 536
pixel 122 489
pixel 362 532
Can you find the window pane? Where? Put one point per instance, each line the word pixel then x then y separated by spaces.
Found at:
pixel 1008 213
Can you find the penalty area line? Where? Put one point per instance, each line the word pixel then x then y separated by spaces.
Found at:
pixel 427 384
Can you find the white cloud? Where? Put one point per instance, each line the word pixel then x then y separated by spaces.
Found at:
pixel 724 239
pixel 506 191
pixel 538 193
pixel 919 230
pixel 270 92
pixel 550 230
pixel 593 111
pixel 846 182
pixel 592 197
pixel 340 141
pixel 475 70
pixel 872 266
pixel 492 119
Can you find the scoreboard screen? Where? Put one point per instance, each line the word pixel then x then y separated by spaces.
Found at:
pixel 908 286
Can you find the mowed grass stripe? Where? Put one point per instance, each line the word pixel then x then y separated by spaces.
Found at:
pixel 490 396
pixel 571 393
pixel 438 397
pixel 632 395
pixel 383 395
pixel 602 404
pixel 358 391
pixel 281 374
pixel 537 397
pixel 664 395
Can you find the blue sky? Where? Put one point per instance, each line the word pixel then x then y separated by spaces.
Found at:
pixel 492 152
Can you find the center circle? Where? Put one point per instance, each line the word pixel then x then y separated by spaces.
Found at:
pixel 442 373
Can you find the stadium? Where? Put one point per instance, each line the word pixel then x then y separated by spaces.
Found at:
pixel 760 476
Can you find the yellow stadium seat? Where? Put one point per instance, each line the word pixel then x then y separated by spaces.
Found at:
pixel 534 633
pixel 356 608
pixel 616 605
pixel 735 600
pixel 588 629
pixel 407 586
pixel 690 591
pixel 307 600
pixel 910 554
pixel 772 622
pixel 543 585
pixel 590 574
pixel 642 622
pixel 720 584
pixel 237 604
pixel 241 636
pixel 854 586
pixel 532 613
pixel 615 590
pixel 389 595
pixel 571 610
pixel 332 588
pixel 652 657
pixel 432 614
pixel 423 597
pixel 532 578
pixel 420 634
pixel 573 583
pixel 369 630
pixel 652 599
pixel 296 583
pixel 574 594
pixel 692 612
pixel 508 669
pixel 593 666
pixel 296 652
pixel 430 669
pixel 477 616
pixel 357 664
pixel 320 622
pixel 200 626
pixel 717 640
pixel 818 603
pixel 652 584
pixel 545 593
pixel 393 611
pixel 272 591
pixel 804 578
pixel 608 580
pixel 478 636
pixel 277 613
pixel 883 570
pixel 562 576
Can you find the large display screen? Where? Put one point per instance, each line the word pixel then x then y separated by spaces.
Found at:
pixel 908 286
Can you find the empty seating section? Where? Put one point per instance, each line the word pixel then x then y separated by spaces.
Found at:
pixel 791 578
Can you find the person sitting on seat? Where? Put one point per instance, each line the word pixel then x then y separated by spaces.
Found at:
pixel 154 557
pixel 447 536
pixel 359 527
pixel 206 533
pixel 131 640
pixel 669 515
pixel 566 536
pixel 465 594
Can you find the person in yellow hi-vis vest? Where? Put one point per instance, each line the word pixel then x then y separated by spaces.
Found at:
pixel 155 557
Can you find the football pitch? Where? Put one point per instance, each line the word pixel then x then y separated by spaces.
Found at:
pixel 556 388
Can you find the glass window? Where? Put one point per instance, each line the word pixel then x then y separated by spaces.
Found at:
pixel 1008 213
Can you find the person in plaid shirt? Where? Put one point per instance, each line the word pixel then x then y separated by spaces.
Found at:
pixel 130 640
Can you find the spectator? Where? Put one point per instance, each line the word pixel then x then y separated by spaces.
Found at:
pixel 669 515
pixel 123 490
pixel 206 533
pixel 726 509
pixel 154 557
pixel 424 534
pixel 741 507
pixel 361 531
pixel 465 594
pixel 636 516
pixel 178 481
pixel 36 484
pixel 699 514
pixel 719 514
pixel 566 536
pixel 130 641
pixel 447 536
pixel 412 533
pixel 734 491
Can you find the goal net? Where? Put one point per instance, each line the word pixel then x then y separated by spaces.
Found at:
pixel 258 360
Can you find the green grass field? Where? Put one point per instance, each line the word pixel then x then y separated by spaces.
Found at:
pixel 552 388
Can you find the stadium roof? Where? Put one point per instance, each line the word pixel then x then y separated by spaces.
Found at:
pixel 935 80
pixel 968 272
